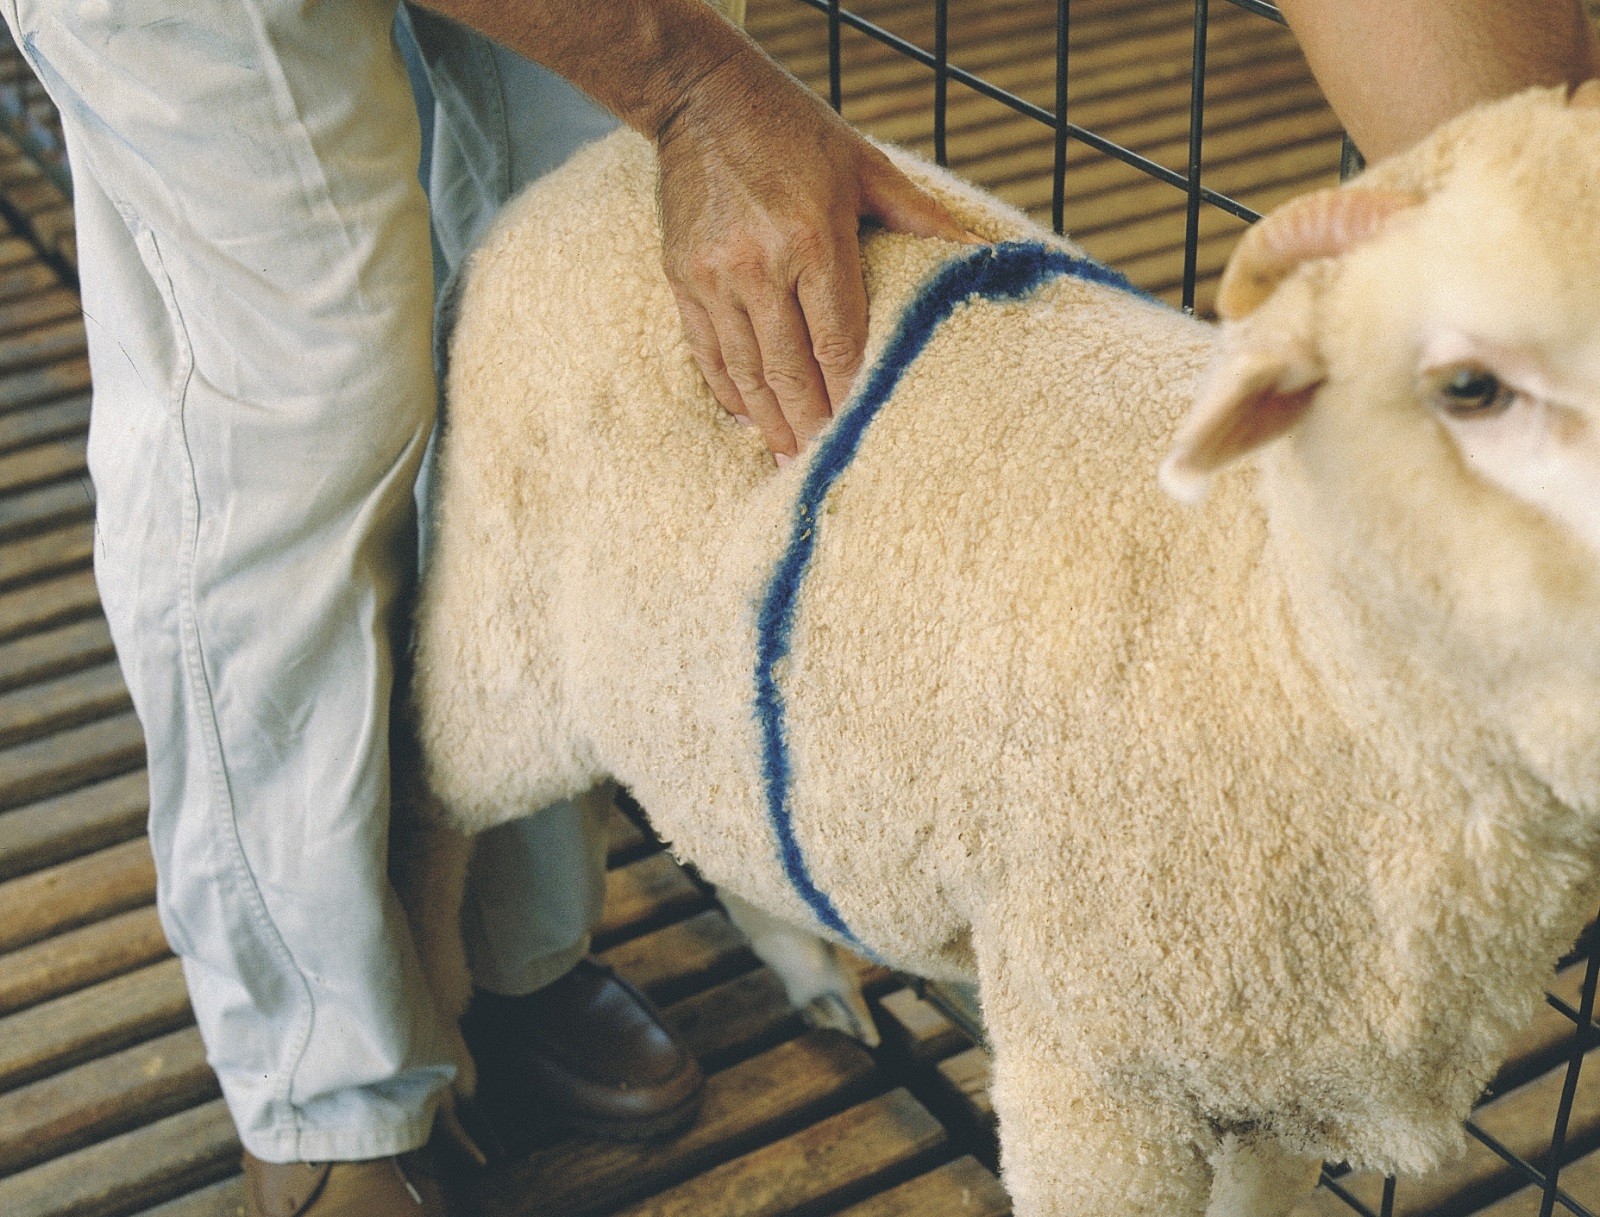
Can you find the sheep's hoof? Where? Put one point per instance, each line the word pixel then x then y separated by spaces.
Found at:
pixel 833 1011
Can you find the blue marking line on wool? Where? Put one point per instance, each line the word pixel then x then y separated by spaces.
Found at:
pixel 997 273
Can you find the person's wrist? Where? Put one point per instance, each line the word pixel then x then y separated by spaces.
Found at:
pixel 685 52
pixel 715 88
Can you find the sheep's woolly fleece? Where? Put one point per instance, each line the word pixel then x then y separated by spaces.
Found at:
pixel 1229 860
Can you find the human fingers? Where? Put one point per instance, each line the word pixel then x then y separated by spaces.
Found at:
pixel 833 299
pixel 741 353
pixel 788 365
pixel 701 335
pixel 898 203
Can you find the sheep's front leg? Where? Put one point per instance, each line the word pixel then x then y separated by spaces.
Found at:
pixel 1069 1149
pixel 1259 1179
pixel 1069 1146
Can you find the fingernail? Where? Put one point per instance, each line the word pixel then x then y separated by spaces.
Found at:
pixel 743 420
pixel 783 458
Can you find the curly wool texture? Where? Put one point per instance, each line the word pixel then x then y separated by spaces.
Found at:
pixel 1254 822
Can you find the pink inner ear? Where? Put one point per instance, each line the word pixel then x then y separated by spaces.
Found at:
pixel 1253 421
pixel 1227 426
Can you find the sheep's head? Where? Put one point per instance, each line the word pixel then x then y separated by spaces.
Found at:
pixel 1417 357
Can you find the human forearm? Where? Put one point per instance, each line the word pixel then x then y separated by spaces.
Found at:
pixel 638 58
pixel 1395 69
pixel 762 188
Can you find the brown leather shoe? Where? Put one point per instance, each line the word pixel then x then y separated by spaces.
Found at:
pixel 587 1053
pixel 401 1186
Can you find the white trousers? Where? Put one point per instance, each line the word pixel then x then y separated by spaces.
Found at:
pixel 257 283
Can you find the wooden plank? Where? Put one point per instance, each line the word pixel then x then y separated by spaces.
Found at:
pixel 1107 191
pixel 71 648
pixel 66 239
pixel 15 168
pixel 129 1171
pixel 51 420
pixel 35 196
pixel 99 1099
pixel 735 1019
pixel 59 551
pixel 1109 83
pixel 70 759
pixel 1580 1180
pixel 224 1199
pixel 745 1105
pixel 968 1075
pixel 995 43
pixel 873 978
pixel 56 303
pixel 80 957
pixel 1099 102
pixel 1547 1041
pixel 625 840
pixel 47 345
pixel 1013 151
pixel 25 278
pixel 963 1188
pixel 42 606
pixel 647 892
pixel 52 831
pixel 1162 228
pixel 50 461
pixel 66 701
pixel 673 962
pixel 15 250
pixel 917 1029
pixel 103 1018
pixel 46 507
pixel 75 893
pixel 66 378
pixel 822 1166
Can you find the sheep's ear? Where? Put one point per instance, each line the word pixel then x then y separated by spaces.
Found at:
pixel 1259 385
pixel 1267 369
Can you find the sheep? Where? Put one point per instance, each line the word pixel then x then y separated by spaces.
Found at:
pixel 1259 823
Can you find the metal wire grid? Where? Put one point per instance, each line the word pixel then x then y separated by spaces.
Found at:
pixel 1586 1033
pixel 1057 120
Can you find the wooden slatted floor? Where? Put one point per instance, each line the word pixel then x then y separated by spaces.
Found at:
pixel 106 1105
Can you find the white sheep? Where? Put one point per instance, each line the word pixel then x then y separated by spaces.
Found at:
pixel 1259 825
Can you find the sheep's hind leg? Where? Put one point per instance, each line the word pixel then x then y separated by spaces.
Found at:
pixel 818 982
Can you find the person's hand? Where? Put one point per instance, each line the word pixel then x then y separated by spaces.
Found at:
pixel 763 188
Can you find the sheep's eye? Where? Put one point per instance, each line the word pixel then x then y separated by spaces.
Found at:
pixel 1469 391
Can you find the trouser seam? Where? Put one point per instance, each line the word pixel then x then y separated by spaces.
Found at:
pixel 223 817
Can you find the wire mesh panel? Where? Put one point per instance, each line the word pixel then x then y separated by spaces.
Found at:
pixel 1086 115
pixel 1153 132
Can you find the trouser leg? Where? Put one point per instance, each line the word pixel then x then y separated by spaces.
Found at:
pixel 536 886
pixel 253 244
